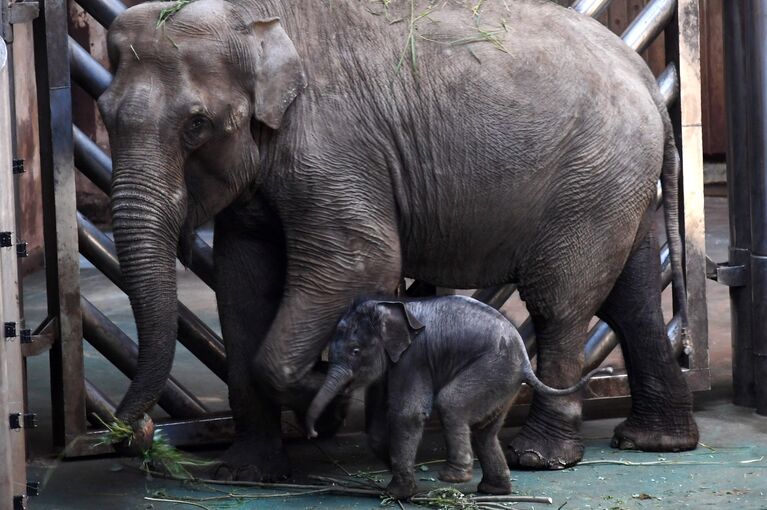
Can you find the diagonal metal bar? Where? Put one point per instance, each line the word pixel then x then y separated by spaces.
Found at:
pixel 97 405
pixel 668 83
pixel 591 8
pixel 648 24
pixel 103 11
pixel 122 352
pixel 86 71
pixel 194 334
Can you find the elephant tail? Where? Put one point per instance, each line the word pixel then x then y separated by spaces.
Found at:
pixel 530 378
pixel 540 387
pixel 670 186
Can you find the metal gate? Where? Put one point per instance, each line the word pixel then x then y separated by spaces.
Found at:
pixel 60 60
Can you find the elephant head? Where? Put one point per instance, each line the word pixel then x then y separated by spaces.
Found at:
pixel 368 337
pixel 190 100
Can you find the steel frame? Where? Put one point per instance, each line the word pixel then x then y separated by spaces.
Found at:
pixel 63 146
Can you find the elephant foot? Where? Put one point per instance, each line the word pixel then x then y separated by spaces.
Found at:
pixel 248 462
pixel 401 488
pixel 675 433
pixel 539 451
pixel 499 486
pixel 452 474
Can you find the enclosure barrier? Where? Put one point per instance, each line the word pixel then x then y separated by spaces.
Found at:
pixel 745 31
pixel 65 144
pixel 13 416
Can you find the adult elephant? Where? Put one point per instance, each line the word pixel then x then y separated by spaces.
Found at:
pixel 340 145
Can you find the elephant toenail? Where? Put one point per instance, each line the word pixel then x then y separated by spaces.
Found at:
pixel 615 442
pixel 557 464
pixel 627 444
pixel 531 458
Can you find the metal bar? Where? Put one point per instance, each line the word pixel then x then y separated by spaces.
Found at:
pixel 62 261
pixel 194 334
pixel 96 165
pixel 86 71
pixel 98 406
pixel 737 16
pixel 92 161
pixel 648 24
pixel 591 8
pixel 756 53
pixel 122 352
pixel 103 11
pixel 668 84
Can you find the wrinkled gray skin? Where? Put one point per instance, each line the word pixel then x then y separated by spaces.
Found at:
pixel 451 353
pixel 331 175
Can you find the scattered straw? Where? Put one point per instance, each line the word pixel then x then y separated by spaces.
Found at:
pixel 166 13
pixel 160 454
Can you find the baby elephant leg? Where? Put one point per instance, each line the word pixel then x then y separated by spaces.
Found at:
pixel 410 399
pixel 476 399
pixel 406 430
pixel 455 426
pixel 496 477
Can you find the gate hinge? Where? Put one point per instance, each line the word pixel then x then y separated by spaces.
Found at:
pixel 23 421
pixel 20 502
pixel 21 249
pixel 33 488
pixel 6 239
pixel 726 274
pixel 9 330
pixel 18 166
pixel 16 12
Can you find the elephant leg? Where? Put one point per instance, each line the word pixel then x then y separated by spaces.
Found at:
pixel 661 403
pixel 475 397
pixel 376 424
pixel 495 471
pixel 550 438
pixel 250 274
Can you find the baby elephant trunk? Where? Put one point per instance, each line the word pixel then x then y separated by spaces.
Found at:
pixel 335 382
pixel 537 385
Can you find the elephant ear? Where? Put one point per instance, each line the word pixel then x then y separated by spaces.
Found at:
pixel 398 328
pixel 279 74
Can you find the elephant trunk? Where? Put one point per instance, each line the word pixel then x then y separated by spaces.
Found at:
pixel 335 381
pixel 148 209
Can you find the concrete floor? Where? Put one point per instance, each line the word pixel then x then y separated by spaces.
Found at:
pixel 710 476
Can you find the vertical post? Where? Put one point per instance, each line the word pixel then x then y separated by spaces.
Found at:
pixel 683 45
pixel 737 16
pixel 59 219
pixel 7 470
pixel 756 52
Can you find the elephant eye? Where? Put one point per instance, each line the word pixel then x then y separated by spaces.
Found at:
pixel 355 352
pixel 197 130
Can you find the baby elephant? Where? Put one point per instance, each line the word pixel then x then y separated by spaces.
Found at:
pixel 453 353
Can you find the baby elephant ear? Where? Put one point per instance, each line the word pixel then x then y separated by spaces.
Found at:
pixel 398 328
pixel 279 74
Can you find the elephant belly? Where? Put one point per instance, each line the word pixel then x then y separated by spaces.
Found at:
pixel 465 256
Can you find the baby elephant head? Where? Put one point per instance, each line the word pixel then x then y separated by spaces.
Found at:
pixel 368 337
